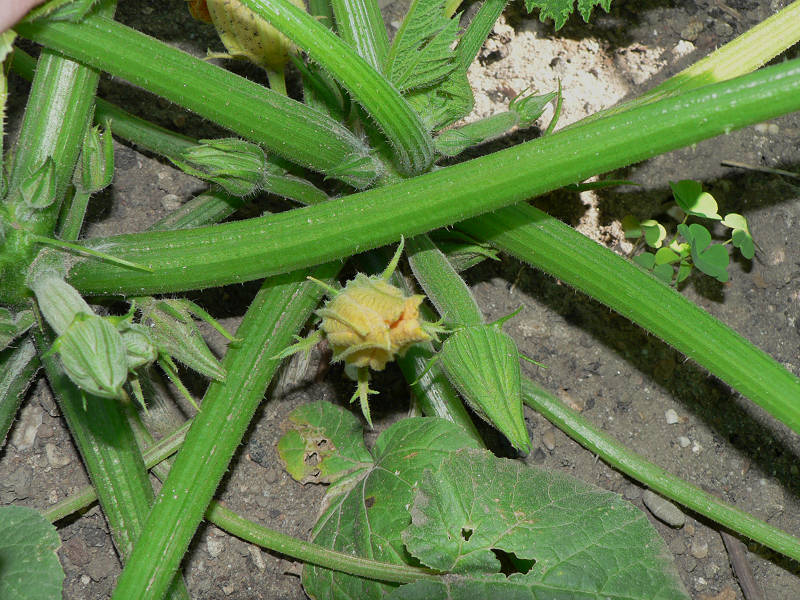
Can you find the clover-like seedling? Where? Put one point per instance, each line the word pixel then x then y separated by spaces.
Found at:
pixel 368 324
pixel 672 263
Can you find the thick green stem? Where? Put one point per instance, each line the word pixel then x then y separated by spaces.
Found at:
pixel 654 477
pixel 546 243
pixel 56 117
pixel 247 250
pixel 412 145
pixel 278 311
pixel 313 553
pixel 17 368
pixel 360 24
pixel 285 126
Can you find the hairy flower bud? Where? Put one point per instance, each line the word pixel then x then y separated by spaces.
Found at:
pixel 370 322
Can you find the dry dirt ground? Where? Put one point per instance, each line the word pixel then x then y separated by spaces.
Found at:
pixel 624 380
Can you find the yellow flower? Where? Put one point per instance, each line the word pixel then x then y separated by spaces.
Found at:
pixel 370 322
pixel 244 33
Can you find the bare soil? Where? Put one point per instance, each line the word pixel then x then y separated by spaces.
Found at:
pixel 623 380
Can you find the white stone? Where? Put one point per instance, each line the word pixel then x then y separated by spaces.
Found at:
pixel 671 416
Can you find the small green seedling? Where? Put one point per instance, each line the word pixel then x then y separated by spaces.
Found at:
pixel 672 263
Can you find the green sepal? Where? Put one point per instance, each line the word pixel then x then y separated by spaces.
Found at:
pixel 174 332
pixel 236 165
pixel 482 362
pixel 72 11
pixel 139 347
pixel 93 354
pixel 13 325
pixel 529 108
pixel 97 160
pixel 38 190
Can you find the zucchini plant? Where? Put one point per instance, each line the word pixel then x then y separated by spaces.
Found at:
pixel 357 144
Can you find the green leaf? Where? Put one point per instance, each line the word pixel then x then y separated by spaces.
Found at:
pixel 741 237
pixel 444 103
pixel 664 272
pixel 29 567
pixel 324 445
pixel 421 54
pixel 569 539
pixel 646 260
pixel 654 233
pixel 666 256
pixel 559 10
pixel 684 270
pixel 482 363
pixel 367 519
pixel 689 195
pixel 632 227
pixel 13 325
pixel 710 259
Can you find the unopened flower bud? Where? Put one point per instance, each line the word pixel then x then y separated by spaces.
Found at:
pixel 370 322
pixel 236 165
pixel 139 348
pixel 93 355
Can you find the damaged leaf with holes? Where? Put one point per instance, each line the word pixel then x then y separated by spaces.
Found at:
pixel 506 530
pixel 367 506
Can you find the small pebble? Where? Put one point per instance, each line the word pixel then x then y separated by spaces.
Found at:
pixel 215 546
pixel 632 492
pixel 85 579
pixel 696 448
pixel 271 475
pixel 228 589
pixel 171 202
pixel 663 510
pixel 699 549
pixel 700 583
pixel 671 416
pixel 255 555
pixel 684 442
pixel 549 440
pixel 677 546
pixel 24 433
pixel 56 457
pixel 538 456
